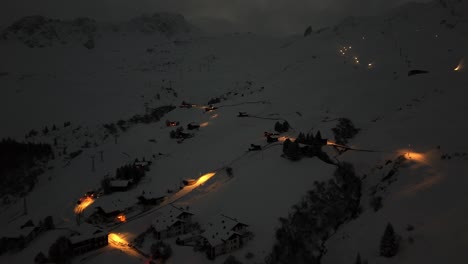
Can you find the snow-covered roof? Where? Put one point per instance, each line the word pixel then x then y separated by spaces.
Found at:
pixel 17 228
pixel 115 202
pixel 120 183
pixel 13 233
pixel 220 229
pixel 168 216
pixel 85 232
pixel 141 163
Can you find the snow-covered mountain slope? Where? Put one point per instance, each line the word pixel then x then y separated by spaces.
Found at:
pixel 357 69
pixel 39 31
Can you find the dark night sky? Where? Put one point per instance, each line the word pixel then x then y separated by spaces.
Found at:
pixel 271 16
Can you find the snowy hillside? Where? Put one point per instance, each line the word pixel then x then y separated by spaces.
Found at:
pixel 400 79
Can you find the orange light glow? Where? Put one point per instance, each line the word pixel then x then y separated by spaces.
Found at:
pixel 414 156
pixel 205 177
pixel 85 202
pixel 214 116
pixel 116 240
pixel 370 65
pixel 460 66
pixel 121 218
pixel 283 138
pixel 204 124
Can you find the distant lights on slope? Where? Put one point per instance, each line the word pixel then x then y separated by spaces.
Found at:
pixel 344 49
pixel 460 65
pixel 356 60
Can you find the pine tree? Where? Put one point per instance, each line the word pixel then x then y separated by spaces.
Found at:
pixel 318 135
pixel 286 145
pixel 301 138
pixel 40 258
pixel 61 251
pixel 49 223
pixel 161 250
pixel 293 151
pixel 389 244
pixel 358 259
pixel 278 127
pixel 285 126
pixel 308 31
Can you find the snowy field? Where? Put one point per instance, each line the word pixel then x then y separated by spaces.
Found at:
pixel 357 69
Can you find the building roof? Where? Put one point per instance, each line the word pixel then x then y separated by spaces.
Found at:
pixel 142 163
pixel 167 216
pixel 85 232
pixel 115 202
pixel 19 228
pixel 220 229
pixel 120 183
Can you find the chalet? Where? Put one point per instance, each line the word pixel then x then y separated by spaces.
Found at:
pixel 171 123
pixel 223 235
pixel 142 164
pixel 271 139
pixel 254 147
pixel 179 134
pixel 185 105
pixel 190 238
pixel 171 221
pixel 193 126
pixel 188 182
pixel 147 199
pixel 17 237
pixel 210 108
pixel 88 240
pixel 109 207
pixel 104 212
pixel 120 185
pixel 269 134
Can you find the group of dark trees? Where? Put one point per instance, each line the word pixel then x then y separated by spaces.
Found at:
pixel 179 133
pixel 152 115
pixel 292 150
pixel 300 237
pixel 60 251
pixel 130 172
pixel 344 131
pixel 310 139
pixel 282 127
pixel 45 130
pixel 161 251
pixel 19 243
pixel 19 165
pixel 105 185
pixel 215 100
pixel 313 147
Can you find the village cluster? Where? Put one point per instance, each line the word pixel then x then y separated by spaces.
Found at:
pixel 100 211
